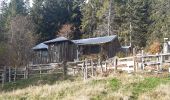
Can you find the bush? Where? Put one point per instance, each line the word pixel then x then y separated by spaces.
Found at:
pixel 155 47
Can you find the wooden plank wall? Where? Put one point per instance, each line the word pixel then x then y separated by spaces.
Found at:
pixel 62 51
pixel 40 57
pixel 108 49
pixel 112 48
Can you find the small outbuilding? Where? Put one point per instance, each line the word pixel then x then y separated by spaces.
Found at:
pixel 166 47
pixel 126 50
pixel 61 49
pixel 40 54
pixel 108 46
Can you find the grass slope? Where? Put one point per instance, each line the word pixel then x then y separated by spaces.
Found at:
pixel 148 84
pixel 33 81
pixel 117 87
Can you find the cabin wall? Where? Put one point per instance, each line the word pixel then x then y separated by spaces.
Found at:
pixel 91 49
pixel 62 51
pixel 112 48
pixel 40 57
pixel 108 49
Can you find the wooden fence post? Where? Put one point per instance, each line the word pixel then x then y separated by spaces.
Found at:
pixel 73 71
pixel 3 79
pixel 83 67
pixel 135 68
pixel 84 70
pixel 106 66
pixel 40 70
pixel 101 65
pixel 143 65
pixel 158 63
pixel 64 69
pixel 9 74
pixel 92 64
pixel 115 63
pixel 24 73
pixel 15 74
pixel 161 62
pixel 27 72
pixel 5 74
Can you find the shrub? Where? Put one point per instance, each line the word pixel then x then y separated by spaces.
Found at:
pixel 155 47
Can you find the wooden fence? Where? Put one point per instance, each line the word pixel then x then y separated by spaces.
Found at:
pixel 9 74
pixel 88 67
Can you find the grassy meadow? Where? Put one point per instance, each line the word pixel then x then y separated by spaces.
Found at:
pixel 115 87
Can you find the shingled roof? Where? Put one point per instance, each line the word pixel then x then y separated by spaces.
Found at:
pixel 59 39
pixel 97 40
pixel 40 46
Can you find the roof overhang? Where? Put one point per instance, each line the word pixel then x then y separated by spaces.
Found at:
pixel 59 39
pixel 95 41
pixel 40 46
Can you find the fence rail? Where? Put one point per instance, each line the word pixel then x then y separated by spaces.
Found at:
pixel 87 68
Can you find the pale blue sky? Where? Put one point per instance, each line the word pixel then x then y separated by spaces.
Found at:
pixel 9 0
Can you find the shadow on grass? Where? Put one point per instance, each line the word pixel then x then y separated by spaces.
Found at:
pixel 35 81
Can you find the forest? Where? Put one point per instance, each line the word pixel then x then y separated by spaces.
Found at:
pixel 139 23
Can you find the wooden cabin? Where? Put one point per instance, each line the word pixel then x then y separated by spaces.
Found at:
pixel 40 54
pixel 108 46
pixel 61 49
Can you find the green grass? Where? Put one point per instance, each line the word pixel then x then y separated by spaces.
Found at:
pixel 94 82
pixel 99 97
pixel 146 85
pixel 102 94
pixel 109 88
pixel 114 83
pixel 32 81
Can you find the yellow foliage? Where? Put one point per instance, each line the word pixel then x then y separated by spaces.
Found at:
pixel 155 47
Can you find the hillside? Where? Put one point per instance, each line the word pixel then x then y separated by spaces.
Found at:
pixel 117 87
